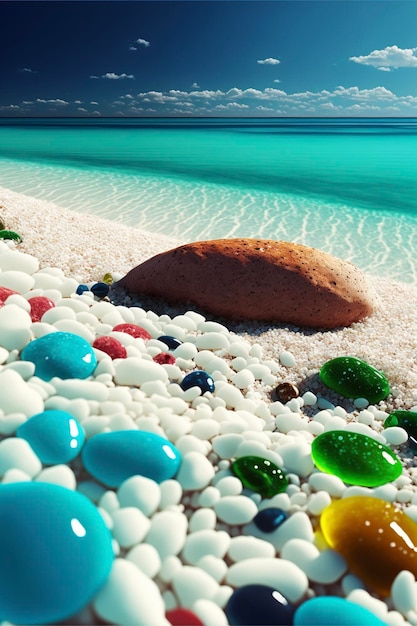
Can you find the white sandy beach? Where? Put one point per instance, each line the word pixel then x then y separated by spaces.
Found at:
pixel 86 247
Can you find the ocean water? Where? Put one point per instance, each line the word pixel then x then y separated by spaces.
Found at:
pixel 346 186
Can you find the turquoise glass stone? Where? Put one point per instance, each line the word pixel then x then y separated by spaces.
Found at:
pixel 115 456
pixel 55 436
pixel 353 378
pixel 332 611
pixel 260 475
pixel 356 459
pixel 55 553
pixel 64 355
pixel 406 420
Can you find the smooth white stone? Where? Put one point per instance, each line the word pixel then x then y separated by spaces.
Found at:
pixel 324 567
pixel 130 526
pixel 20 261
pixel 297 526
pixel 213 566
pixel 287 359
pixel 140 492
pixel 46 281
pixel 243 379
pixel 205 428
pixel 327 482
pixel 4 355
pixel 16 396
pixel 11 422
pixel 230 394
pixel 15 475
pixel 242 548
pixel 146 558
pixel 229 486
pixel 310 399
pixel 75 327
pixel 209 496
pixel 195 471
pixel 297 458
pixel 18 281
pixel 61 475
pixel 395 435
pixel 25 369
pixel 19 301
pixel 202 542
pixel 74 388
pixel 188 443
pixel 280 574
pixel 130 597
pixel 58 313
pixel 170 565
pixel 17 453
pixel 318 501
pixel 403 592
pixel 15 325
pixel 136 371
pixel 202 519
pixel 235 510
pixel 363 598
pixel 226 445
pixel 191 584
pixel 109 501
pixel 167 533
pixel 209 613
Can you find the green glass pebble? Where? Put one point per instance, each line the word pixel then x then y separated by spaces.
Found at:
pixel 260 475
pixel 356 459
pixel 353 378
pixel 406 420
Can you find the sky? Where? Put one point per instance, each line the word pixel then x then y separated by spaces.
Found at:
pixel 141 58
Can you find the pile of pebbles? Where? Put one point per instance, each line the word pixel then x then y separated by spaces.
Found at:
pixel 189 541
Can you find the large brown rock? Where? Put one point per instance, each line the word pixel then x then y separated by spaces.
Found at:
pixel 257 279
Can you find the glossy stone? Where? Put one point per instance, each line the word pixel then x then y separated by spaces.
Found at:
pixel 60 354
pixel 355 458
pixel 108 279
pixel 268 520
pixel 80 289
pixel 260 475
pixel 55 549
pixel 252 605
pixel 376 538
pixel 332 611
pixel 183 617
pixel 285 392
pixel 100 290
pixel 198 378
pixel 406 420
pixel 354 378
pixel 171 342
pixel 5 292
pixel 113 457
pixel 164 358
pixel 134 330
pixel 38 306
pixel 55 436
pixel 111 346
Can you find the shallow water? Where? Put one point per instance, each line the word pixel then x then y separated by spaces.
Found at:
pixel 345 186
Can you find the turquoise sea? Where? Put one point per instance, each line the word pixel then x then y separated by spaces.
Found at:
pixel 345 185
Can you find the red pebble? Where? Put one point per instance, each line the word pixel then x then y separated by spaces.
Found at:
pixel 38 306
pixel 4 294
pixel 133 329
pixel 110 346
pixel 183 617
pixel 164 358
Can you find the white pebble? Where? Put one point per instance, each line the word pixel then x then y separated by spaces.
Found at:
pixel 324 567
pixel 309 398
pixel 242 548
pixel 226 445
pixel 395 435
pixel 287 359
pixel 205 428
pixel 61 475
pixel 212 341
pixel 363 598
pixel 297 457
pixel 140 492
pixel 209 497
pixel 213 566
pixel 167 533
pixel 74 388
pixel 109 502
pixel 403 592
pixel 129 526
pixel 191 584
pixel 130 597
pixel 327 482
pixel 136 371
pixel 235 510
pixel 17 453
pixel 280 574
pixel 15 475
pixel 20 261
pixel 202 542
pixel 171 493
pixel 209 613
pixel 243 379
pixel 318 501
pixel 195 471
pixel 146 558
pixel 202 519
pixel 170 566
pixel 18 281
pixel 229 486
pixel 15 325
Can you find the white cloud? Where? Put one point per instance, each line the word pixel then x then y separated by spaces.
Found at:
pixel 82 110
pixel 376 93
pixel 277 80
pixel 389 57
pixel 52 101
pixel 94 103
pixel 143 42
pixel 268 61
pixel 27 70
pixel 232 106
pixel 113 76
pixel 195 86
pixel 95 77
pixel 132 47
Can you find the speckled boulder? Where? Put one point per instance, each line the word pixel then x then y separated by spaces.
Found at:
pixel 257 279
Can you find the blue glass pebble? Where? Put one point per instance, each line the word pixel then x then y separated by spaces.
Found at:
pixel 55 552
pixel 170 342
pixel 268 520
pixel 100 290
pixel 80 289
pixel 115 456
pixel 198 378
pixel 60 354
pixel 334 611
pixel 55 436
pixel 258 604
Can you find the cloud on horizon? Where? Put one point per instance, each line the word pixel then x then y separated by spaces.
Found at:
pixel 113 76
pixel 268 61
pixel 391 57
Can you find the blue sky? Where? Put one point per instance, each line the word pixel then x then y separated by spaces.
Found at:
pixel 208 58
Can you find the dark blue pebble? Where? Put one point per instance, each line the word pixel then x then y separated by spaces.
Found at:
pixel 100 290
pixel 80 289
pixel 253 605
pixel 198 378
pixel 171 342
pixel 268 520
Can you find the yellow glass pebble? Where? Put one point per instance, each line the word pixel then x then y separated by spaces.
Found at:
pixel 376 538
